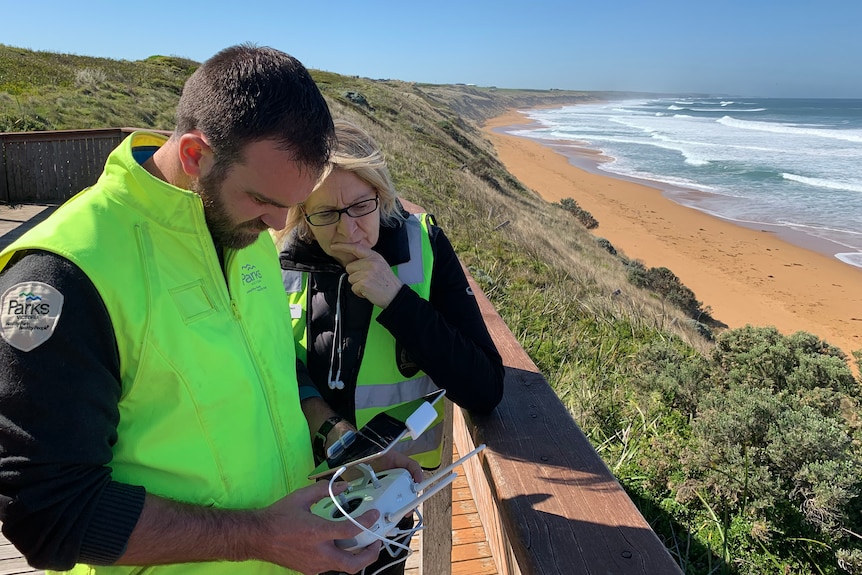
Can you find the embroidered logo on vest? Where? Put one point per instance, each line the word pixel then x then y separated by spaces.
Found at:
pixel 29 314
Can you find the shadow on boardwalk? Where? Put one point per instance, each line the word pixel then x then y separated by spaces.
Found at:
pixel 15 220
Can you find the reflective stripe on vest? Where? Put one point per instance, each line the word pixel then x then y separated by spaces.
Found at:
pixel 380 385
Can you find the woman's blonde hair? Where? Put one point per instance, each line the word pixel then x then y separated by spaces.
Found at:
pixel 355 151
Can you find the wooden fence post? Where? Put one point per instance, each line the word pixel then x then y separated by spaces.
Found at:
pixel 436 558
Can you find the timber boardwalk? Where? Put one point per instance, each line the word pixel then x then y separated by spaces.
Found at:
pixel 15 220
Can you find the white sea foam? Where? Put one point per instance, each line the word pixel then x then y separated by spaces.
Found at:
pixel 854 136
pixel 725 110
pixel 822 183
pixel 618 167
pixel 854 258
pixel 854 236
pixel 850 238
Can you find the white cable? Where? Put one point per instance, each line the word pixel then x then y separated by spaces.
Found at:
pixel 419 526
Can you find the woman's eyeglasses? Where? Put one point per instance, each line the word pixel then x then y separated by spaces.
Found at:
pixel 329 217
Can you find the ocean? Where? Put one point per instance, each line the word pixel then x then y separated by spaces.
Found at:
pixel 791 164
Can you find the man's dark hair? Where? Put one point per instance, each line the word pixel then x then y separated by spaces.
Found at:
pixel 247 93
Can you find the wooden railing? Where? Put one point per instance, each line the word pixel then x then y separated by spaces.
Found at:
pixel 52 166
pixel 547 501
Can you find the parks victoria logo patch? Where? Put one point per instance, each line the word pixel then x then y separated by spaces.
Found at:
pixel 29 314
pixel 252 279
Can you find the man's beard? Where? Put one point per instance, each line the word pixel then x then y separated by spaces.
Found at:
pixel 224 231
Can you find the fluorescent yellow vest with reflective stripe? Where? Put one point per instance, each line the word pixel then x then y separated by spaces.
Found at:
pixel 209 412
pixel 380 385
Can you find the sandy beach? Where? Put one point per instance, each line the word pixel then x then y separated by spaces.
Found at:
pixel 745 276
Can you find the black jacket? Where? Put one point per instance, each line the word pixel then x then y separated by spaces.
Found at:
pixel 445 336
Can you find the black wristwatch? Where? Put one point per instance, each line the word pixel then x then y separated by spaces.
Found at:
pixel 319 444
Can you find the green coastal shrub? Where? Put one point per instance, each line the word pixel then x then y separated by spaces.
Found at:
pixel 800 363
pixel 580 214
pixel 607 246
pixel 771 444
pixel 666 284
pixel 760 462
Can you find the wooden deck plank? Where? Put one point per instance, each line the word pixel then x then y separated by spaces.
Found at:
pixel 8 551
pixel 463 507
pixel 482 566
pixel 15 220
pixel 11 560
pixel 466 521
pixel 461 494
pixel 468 535
pixel 470 551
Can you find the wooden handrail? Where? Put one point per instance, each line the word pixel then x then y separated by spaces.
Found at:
pixel 548 502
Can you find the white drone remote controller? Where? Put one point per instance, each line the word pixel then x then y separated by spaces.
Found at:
pixel 393 493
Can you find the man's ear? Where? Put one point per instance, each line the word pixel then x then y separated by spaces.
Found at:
pixel 196 156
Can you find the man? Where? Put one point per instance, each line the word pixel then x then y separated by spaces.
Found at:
pixel 149 413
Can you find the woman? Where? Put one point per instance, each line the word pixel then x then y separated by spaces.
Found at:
pixel 381 308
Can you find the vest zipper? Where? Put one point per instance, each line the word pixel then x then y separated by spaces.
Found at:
pixel 229 256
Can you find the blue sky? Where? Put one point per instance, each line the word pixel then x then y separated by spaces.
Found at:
pixel 792 48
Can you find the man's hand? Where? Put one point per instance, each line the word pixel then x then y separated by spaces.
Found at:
pixel 385 462
pixel 300 540
pixel 393 459
pixel 286 533
pixel 369 274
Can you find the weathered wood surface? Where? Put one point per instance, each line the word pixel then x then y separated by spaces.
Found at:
pixel 437 514
pixel 11 561
pixel 15 220
pixel 470 552
pixel 52 166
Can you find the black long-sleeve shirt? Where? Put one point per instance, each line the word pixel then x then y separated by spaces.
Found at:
pixel 58 423
pixel 445 336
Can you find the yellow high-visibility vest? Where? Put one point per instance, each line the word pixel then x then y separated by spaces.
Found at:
pixel 380 385
pixel 209 412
